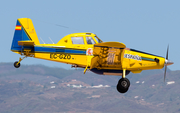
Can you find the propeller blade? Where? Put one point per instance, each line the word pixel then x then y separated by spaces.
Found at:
pixel 166 61
pixel 167 53
pixel 165 73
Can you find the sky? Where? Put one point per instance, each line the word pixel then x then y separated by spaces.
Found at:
pixel 145 25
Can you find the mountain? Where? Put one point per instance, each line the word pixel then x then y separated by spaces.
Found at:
pixel 37 88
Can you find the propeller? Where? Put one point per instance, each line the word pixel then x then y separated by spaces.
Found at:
pixel 167 62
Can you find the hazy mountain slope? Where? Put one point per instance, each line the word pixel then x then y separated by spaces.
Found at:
pixel 37 88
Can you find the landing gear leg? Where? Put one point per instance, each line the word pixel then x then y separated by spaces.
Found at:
pixel 17 63
pixel 123 84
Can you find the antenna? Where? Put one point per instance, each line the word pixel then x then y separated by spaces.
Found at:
pixel 51 40
pixel 42 40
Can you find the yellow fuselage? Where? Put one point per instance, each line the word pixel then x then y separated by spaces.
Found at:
pixel 77 54
pixel 84 50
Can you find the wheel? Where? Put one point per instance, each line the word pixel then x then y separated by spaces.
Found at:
pixel 16 65
pixel 120 90
pixel 124 83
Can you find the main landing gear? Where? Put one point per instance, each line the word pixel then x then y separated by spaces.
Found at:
pixel 123 84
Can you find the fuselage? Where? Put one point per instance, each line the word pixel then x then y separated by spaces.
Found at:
pixel 75 49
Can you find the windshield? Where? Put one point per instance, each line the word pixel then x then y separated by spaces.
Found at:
pixel 98 40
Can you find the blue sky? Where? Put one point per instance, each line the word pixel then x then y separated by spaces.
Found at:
pixel 144 25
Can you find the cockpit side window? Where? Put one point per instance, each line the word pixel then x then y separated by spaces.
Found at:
pixel 90 40
pixel 77 40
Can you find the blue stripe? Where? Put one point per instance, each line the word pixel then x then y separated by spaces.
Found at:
pixel 60 50
pixel 54 50
pixel 51 50
pixel 75 51
pixel 147 59
pixel 44 49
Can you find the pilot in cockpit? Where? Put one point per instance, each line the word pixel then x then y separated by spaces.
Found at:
pixel 88 40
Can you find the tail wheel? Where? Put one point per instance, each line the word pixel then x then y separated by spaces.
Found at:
pixel 16 64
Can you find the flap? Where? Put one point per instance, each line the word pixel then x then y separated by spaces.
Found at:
pixel 26 43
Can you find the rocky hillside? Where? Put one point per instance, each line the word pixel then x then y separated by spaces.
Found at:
pixel 37 88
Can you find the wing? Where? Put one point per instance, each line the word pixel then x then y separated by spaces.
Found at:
pixel 111 45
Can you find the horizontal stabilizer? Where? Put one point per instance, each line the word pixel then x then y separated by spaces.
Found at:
pixel 26 43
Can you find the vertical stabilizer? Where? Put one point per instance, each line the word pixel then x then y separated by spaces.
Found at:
pixel 24 31
pixel 29 29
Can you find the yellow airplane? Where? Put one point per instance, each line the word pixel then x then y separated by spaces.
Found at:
pixel 87 51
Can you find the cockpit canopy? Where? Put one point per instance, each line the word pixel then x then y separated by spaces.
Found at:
pixel 80 38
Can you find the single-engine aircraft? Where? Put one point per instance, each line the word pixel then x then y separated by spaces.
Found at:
pixel 87 51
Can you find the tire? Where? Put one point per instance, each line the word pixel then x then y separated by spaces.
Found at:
pixel 16 65
pixel 124 83
pixel 120 90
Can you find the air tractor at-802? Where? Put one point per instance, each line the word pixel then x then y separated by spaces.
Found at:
pixel 87 51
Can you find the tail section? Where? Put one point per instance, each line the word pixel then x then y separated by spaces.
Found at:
pixel 24 34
